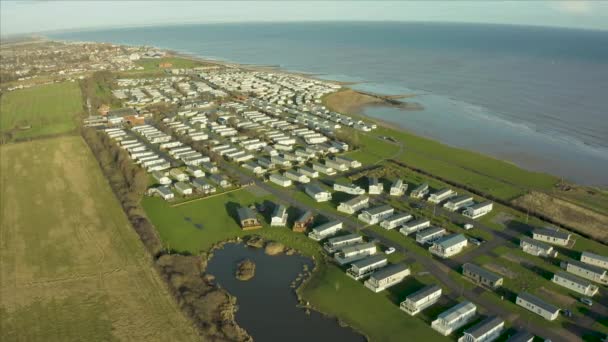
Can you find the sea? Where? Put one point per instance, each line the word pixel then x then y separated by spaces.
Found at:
pixel 533 96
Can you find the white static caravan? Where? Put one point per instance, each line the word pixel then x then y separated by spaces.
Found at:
pixel 325 230
pixel 441 195
pixel 458 202
pixel 395 220
pixel 454 318
pixel 387 277
pixel 308 172
pixel 279 216
pixel 487 330
pixel 420 191
pixel 352 253
pixel 376 214
pixel 365 267
pixel 414 226
pixel 537 305
pixel 574 283
pixel 537 248
pixel 429 235
pixel 478 210
pixel 421 299
pixel 586 271
pixel 296 176
pixel 448 246
pixel 354 204
pixel 375 187
pixel 333 244
pixel 552 236
pixel 280 180
pixel 349 189
pixel 317 193
pixel 398 188
pixel 595 259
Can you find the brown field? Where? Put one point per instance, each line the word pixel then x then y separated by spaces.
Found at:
pixel 71 266
pixel 583 220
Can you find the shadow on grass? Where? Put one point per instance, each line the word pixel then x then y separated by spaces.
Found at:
pixel 430 314
pixel 231 210
pixel 585 334
pixel 399 292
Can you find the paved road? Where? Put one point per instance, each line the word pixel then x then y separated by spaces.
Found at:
pixel 439 269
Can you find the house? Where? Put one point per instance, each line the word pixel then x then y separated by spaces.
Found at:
pixel 352 253
pixel 521 336
pixel 420 191
pixel 296 176
pixel 387 277
pixel 363 268
pixel 280 180
pixel 161 178
pixel 414 226
pixel 537 248
pixel 586 271
pixel 575 283
pixel 429 235
pixel 248 219
pixel 195 171
pixel 458 202
pixel 325 230
pixel 448 246
pixel 163 191
pixel 202 185
pixel 317 193
pixel 220 180
pixel 375 187
pixel 279 216
pixel 351 163
pixel 441 195
pixel 478 210
pixel 353 205
pixel 395 220
pixel 595 259
pixel 302 223
pixel 398 188
pixel 323 169
pixel 306 171
pixel 421 299
pixel 552 236
pixel 349 189
pixel 481 276
pixel 454 318
pixel 376 214
pixel 179 175
pixel 537 305
pixel 335 243
pixel 183 188
pixel 487 330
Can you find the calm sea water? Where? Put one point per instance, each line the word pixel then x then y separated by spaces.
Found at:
pixel 533 96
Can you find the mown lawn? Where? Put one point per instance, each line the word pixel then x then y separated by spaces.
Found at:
pixel 41 110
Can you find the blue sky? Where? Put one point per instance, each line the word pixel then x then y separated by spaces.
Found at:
pixel 44 15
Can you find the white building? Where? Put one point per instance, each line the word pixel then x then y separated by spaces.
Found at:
pixel 387 277
pixel 279 216
pixel 537 248
pixel 421 299
pixel 325 230
pixel 429 235
pixel 323 169
pixel 448 246
pixel 163 191
pixel 353 205
pixel 478 210
pixel 454 318
pixel 308 172
pixel 183 188
pixel 363 268
pixel 441 195
pixel 595 259
pixel 280 180
pixel 376 214
pixel 586 271
pixel 395 221
pixel 552 236
pixel 296 176
pixel 420 191
pixel 349 254
pixel 335 243
pixel 375 187
pixel 537 305
pixel 349 189
pixel 487 330
pixel 161 178
pixel 317 193
pixel 414 226
pixel 575 283
pixel 458 202
pixel 398 188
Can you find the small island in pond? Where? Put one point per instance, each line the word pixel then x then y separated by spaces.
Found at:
pixel 245 270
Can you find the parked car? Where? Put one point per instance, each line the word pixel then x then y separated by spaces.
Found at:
pixel 567 313
pixel 468 226
pixel 475 241
pixel 587 301
pixel 390 250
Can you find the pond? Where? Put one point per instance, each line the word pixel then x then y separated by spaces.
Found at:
pixel 268 306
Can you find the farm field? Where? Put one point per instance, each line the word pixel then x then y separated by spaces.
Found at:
pixel 47 110
pixel 69 259
pixel 196 226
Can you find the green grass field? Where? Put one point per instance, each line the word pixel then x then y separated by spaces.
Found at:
pixel 151 66
pixel 46 110
pixel 197 226
pixel 71 266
